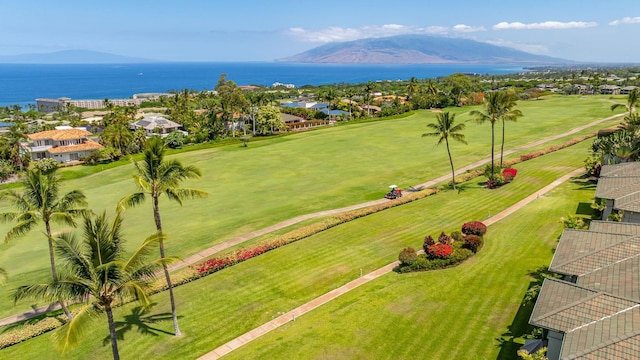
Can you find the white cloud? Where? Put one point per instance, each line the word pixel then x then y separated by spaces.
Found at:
pixel 626 20
pixel 467 28
pixel 547 25
pixel 335 34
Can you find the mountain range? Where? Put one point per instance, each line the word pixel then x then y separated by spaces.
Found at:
pixel 71 57
pixel 419 49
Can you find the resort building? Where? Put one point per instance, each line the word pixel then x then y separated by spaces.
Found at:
pixel 64 144
pixel 593 312
pixel 619 186
pixel 58 104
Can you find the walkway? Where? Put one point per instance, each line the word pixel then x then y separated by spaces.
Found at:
pixel 323 299
pixel 204 254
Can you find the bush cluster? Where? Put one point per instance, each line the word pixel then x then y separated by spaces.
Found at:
pixel 509 174
pixel 422 263
pixel 408 256
pixel 474 228
pixel 439 251
pixel 449 250
pixel 473 242
pixel 445 239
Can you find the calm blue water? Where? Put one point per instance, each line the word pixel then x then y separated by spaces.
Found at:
pixel 22 84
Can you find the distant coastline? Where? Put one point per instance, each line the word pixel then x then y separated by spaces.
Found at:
pixel 23 83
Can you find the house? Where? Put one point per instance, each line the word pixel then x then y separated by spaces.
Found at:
pixel 370 109
pixel 619 186
pixel 627 89
pixel 156 124
pixel 594 311
pixel 610 89
pixel 64 144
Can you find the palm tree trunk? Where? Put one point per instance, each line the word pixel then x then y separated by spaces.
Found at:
pixel 502 146
pixel 492 146
pixel 112 333
pixel 453 172
pixel 174 313
pixel 54 273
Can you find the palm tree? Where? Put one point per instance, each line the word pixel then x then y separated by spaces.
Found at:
pixel 156 176
pixel 510 114
pixel 412 87
pixel 633 100
pixel 444 129
pixel 97 275
pixel 368 88
pixel 40 202
pixel 13 140
pixel 118 136
pixel 497 106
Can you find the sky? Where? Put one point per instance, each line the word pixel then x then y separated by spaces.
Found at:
pixel 253 30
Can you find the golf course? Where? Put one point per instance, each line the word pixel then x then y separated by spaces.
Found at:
pixel 471 311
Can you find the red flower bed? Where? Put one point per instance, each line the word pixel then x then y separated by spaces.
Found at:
pixel 509 173
pixel 439 251
pixel 474 228
pixel 216 264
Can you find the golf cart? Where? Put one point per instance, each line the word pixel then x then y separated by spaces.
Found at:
pixel 394 193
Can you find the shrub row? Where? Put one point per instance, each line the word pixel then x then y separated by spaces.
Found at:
pixel 220 262
pixel 459 253
pixel 30 329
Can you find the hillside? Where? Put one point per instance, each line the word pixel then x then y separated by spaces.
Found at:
pixel 418 49
pixel 70 57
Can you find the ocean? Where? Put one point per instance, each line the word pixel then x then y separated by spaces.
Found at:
pixel 21 84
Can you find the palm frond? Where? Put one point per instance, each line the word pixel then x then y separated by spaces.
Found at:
pixel 19 229
pixel 67 337
pixel 44 291
pixel 130 201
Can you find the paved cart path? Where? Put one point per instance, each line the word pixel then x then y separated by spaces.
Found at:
pixel 325 298
pixel 204 254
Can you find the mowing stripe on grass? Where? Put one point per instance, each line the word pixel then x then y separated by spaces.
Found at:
pixel 323 299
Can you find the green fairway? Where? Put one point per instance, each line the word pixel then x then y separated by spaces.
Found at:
pixel 486 289
pixel 468 312
pixel 273 180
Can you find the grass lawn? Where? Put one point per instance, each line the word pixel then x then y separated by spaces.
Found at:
pixel 276 179
pixel 226 304
pixel 468 312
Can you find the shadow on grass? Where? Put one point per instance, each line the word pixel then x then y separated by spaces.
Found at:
pixel 139 320
pixel 586 183
pixel 512 339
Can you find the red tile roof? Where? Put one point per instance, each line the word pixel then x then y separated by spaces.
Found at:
pixel 87 145
pixel 69 134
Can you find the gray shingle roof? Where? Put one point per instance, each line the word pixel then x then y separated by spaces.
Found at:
pixel 620 278
pixel 616 187
pixel 613 337
pixel 596 325
pixel 623 169
pixel 615 227
pixel 579 251
pixel 629 202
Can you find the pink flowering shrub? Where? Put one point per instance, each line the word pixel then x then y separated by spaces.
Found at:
pixel 219 263
pixel 439 251
pixel 509 173
pixel 474 228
